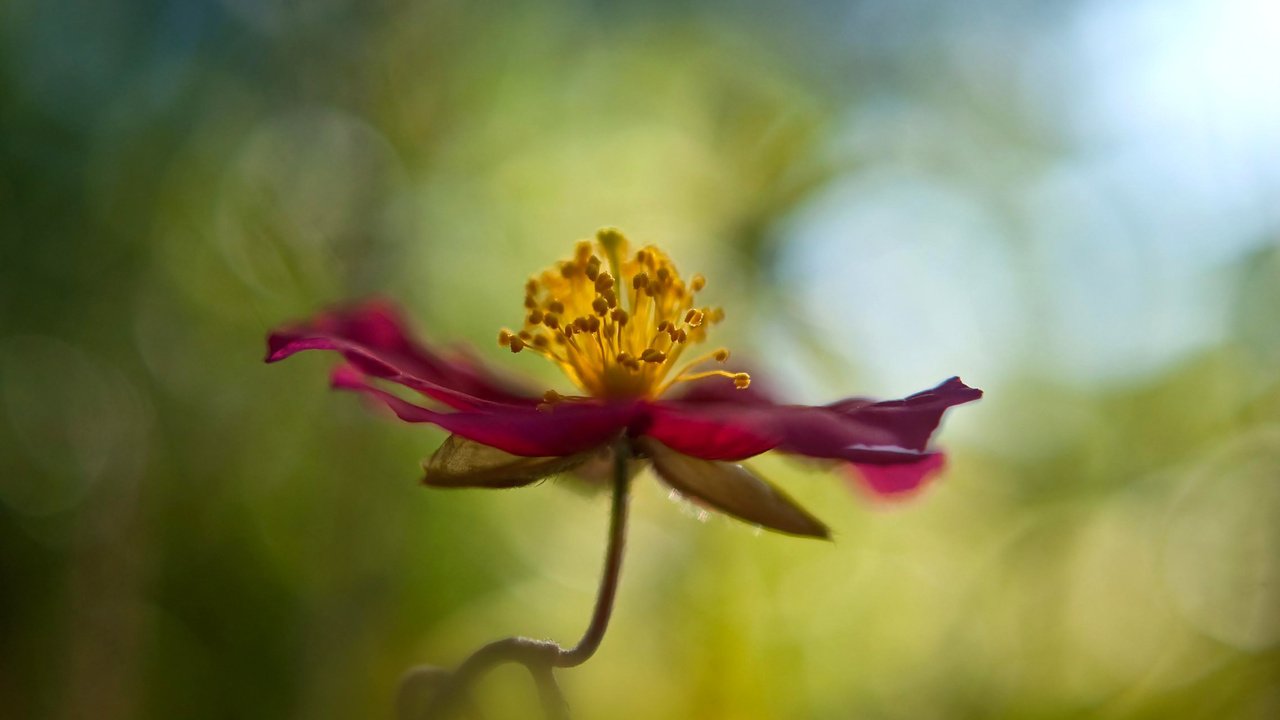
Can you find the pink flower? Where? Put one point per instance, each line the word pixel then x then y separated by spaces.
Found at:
pixel 619 325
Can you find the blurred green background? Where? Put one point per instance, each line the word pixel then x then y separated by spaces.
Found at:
pixel 1073 205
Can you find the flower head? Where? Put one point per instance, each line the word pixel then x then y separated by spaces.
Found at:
pixel 620 325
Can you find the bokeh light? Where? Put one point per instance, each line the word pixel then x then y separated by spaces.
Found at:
pixel 1070 204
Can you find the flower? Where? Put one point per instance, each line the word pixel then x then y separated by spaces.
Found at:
pixel 620 325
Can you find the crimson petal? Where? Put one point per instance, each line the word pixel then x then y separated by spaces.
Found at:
pixel 855 430
pixel 563 429
pixel 711 431
pixel 373 338
pixel 725 431
pixel 912 419
pixel 899 479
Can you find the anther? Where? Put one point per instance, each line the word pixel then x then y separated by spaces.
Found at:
pixel 556 307
pixel 551 397
pixel 525 335
pixel 741 381
pixel 641 280
pixel 653 356
pixel 540 341
pixel 582 324
pixel 662 326
pixel 504 338
pixel 516 344
pixel 697 283
pixel 610 237
pixel 680 336
pixel 610 298
pixel 551 321
pixel 600 305
pixel 530 302
pixel 619 316
pixel 604 282
pixel 693 317
pixel 593 324
pixel 624 358
pixel 531 287
pixel 664 274
pixel 535 317
pixel 721 355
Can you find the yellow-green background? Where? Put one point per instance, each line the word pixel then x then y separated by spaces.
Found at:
pixel 1070 204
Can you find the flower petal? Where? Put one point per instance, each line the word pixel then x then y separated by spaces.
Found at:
pixel 730 432
pixel 373 337
pixel 856 430
pixel 900 479
pixel 912 419
pixel 731 489
pixel 712 431
pixel 462 463
pixel 563 429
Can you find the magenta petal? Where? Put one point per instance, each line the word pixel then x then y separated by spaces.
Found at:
pixel 861 431
pixel 900 479
pixel 913 419
pixel 563 429
pixel 373 338
pixel 726 431
pixel 715 431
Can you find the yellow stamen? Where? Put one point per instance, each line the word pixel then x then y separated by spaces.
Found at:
pixel 714 373
pixel 618 322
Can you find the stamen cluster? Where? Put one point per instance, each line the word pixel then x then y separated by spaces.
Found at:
pixel 617 323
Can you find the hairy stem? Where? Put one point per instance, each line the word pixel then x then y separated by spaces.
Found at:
pixel 540 657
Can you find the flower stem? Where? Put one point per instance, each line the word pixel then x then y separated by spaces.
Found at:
pixel 541 656
pixel 608 591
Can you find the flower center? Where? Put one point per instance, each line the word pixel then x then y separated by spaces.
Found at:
pixel 617 323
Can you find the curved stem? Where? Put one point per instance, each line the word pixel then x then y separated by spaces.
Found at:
pixel 553 702
pixel 608 591
pixel 541 656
